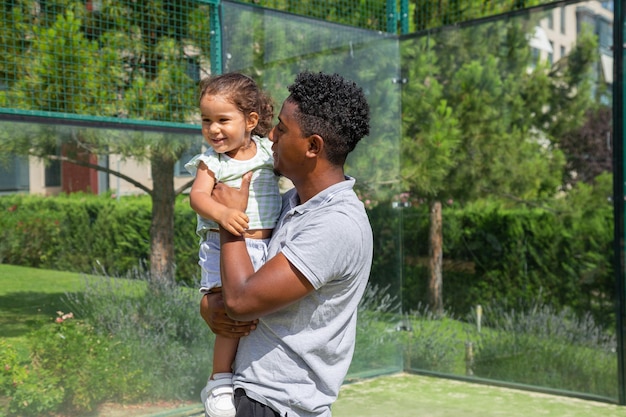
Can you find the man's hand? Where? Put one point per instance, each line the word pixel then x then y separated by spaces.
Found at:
pixel 233 198
pixel 212 311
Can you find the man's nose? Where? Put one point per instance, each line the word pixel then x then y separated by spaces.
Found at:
pixel 270 135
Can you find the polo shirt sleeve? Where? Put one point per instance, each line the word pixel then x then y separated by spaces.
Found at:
pixel 326 248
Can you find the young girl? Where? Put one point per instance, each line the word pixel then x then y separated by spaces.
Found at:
pixel 236 117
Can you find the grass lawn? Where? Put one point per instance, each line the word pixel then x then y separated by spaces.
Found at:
pixel 406 395
pixel 29 296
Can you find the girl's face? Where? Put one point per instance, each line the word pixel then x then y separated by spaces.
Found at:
pixel 224 127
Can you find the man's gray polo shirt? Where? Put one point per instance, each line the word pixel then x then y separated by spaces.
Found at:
pixel 297 358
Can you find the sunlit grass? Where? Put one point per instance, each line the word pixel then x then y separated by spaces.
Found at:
pixel 408 395
pixel 30 297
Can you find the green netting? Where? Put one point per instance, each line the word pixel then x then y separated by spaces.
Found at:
pixel 134 60
pixel 397 15
pixel 119 59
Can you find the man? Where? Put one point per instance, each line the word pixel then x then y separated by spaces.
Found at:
pixel 296 355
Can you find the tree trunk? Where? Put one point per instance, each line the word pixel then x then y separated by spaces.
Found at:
pixel 162 260
pixel 435 251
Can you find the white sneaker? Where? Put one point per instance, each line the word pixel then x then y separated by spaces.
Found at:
pixel 217 396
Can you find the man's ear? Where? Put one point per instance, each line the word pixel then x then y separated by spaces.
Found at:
pixel 251 121
pixel 316 145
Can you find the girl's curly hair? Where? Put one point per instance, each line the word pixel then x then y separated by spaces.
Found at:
pixel 244 93
pixel 334 108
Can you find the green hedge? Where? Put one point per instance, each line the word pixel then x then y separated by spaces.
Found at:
pixel 83 233
pixel 511 256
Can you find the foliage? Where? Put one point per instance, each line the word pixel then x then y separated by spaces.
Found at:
pixel 162 329
pixel 377 346
pixel 588 149
pixel 12 372
pixel 367 14
pixel 430 14
pixel 83 232
pixel 433 342
pixel 137 69
pixel 158 348
pixel 494 250
pixel 542 346
pixel 478 122
pixel 563 250
pixel 71 368
pixel 420 339
pixel 377 337
pixel 470 104
pixel 372 14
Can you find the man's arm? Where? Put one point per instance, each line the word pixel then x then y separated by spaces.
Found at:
pixel 213 312
pixel 249 295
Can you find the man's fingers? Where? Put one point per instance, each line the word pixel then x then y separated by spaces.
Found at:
pixel 245 181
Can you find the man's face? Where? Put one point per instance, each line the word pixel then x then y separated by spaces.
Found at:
pixel 290 146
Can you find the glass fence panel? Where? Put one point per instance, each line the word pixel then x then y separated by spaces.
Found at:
pixel 279 46
pixel 506 162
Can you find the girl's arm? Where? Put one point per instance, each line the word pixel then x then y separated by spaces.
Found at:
pixel 235 221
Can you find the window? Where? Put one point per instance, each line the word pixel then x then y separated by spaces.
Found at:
pixel 52 174
pixel 551 53
pixel 562 52
pixel 14 174
pixel 605 35
pixel 550 19
pixel 179 168
pixel 534 57
pixel 562 19
pixel 609 5
pixel 585 18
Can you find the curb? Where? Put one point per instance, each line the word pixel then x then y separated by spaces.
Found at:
pixel 192 410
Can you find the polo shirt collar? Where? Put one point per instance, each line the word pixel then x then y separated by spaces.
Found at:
pixel 320 198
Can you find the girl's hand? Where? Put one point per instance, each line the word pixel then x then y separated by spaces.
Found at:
pixel 235 221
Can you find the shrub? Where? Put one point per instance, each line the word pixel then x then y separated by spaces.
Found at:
pixel 30 390
pixel 71 368
pixel 39 394
pixel 492 250
pixel 378 345
pixel 80 232
pixel 433 343
pixel 31 238
pixel 421 339
pixel 161 328
pixel 545 347
pixel 12 373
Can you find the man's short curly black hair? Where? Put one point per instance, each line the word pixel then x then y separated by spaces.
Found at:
pixel 334 108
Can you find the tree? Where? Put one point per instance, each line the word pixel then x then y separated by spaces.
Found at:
pixel 368 14
pixel 431 138
pixel 478 123
pixel 125 59
pixel 588 149
pixel 433 14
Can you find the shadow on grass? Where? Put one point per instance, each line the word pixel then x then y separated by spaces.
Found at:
pixel 24 311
